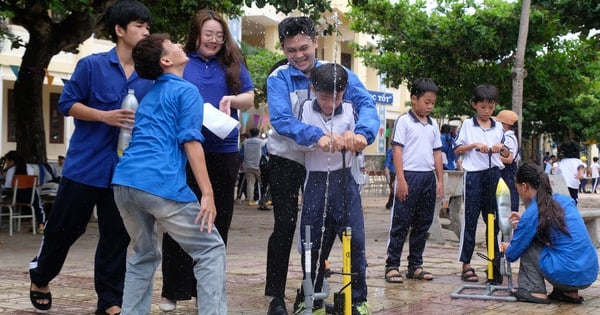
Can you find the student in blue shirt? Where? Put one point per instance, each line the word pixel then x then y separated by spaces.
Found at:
pixel 93 98
pixel 551 241
pixel 287 88
pixel 149 191
pixel 217 68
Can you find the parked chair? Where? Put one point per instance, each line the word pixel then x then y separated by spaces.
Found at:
pixel 21 197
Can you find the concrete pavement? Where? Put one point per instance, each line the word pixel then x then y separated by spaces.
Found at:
pixel 73 290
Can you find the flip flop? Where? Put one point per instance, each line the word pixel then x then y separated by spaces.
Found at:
pixel 394 278
pixel 525 296
pixel 36 295
pixel 559 295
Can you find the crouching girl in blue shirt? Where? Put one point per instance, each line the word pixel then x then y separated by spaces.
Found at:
pixel 552 242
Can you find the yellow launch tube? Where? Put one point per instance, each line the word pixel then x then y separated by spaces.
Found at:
pixel 347 269
pixel 490 245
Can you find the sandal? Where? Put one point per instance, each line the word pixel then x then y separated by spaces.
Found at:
pixel 559 295
pixel 523 295
pixel 35 296
pixel 469 275
pixel 109 311
pixel 423 275
pixel 393 278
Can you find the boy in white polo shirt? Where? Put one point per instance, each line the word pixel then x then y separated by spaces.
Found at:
pixel 480 139
pixel 330 185
pixel 417 156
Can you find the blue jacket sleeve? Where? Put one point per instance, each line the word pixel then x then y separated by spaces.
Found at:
pixel 280 91
pixel 368 119
pixel 524 234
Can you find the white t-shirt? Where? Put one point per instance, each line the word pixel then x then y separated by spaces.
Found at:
pixel 595 166
pixel 11 172
pixel 472 132
pixel 418 141
pixel 568 169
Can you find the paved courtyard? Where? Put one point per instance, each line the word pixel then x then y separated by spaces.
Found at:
pixel 73 290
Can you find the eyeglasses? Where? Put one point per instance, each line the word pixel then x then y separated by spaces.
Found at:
pixel 217 37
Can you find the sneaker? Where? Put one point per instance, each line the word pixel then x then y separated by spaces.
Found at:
pixel 277 307
pixel 361 309
pixel 167 305
pixel 269 202
pixel 316 311
pixel 252 203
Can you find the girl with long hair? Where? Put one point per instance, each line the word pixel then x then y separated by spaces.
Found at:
pixel 552 242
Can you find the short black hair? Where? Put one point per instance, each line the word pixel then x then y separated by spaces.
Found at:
pixel 292 26
pixel 421 86
pixel 253 132
pixel 329 77
pixel 146 56
pixel 570 150
pixel 446 128
pixel 122 13
pixel 485 92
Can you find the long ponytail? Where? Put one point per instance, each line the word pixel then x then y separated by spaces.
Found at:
pixel 550 213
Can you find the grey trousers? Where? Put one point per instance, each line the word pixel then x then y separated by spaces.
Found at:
pixel 531 277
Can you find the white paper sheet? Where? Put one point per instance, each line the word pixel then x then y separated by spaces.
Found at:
pixel 218 122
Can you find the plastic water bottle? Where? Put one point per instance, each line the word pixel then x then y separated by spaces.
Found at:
pixel 129 102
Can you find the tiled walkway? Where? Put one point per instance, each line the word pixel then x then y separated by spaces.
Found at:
pixel 73 289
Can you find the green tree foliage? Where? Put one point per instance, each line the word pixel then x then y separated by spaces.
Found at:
pixel 461 44
pixel 62 25
pixel 259 62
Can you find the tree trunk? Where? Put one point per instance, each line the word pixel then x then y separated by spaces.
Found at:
pixel 46 39
pixel 30 133
pixel 518 72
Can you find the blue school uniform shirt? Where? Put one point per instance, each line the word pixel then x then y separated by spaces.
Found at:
pixel 287 89
pixel 210 79
pixel 570 260
pixel 169 116
pixel 98 82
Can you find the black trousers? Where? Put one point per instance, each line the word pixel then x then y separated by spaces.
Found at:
pixel 67 222
pixel 286 178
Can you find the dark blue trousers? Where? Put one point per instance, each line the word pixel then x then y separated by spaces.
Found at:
pixel 480 198
pixel 414 214
pixel 67 221
pixel 339 201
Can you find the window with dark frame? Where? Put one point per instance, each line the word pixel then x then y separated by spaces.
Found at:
pixel 347 60
pixel 11 118
pixel 57 121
